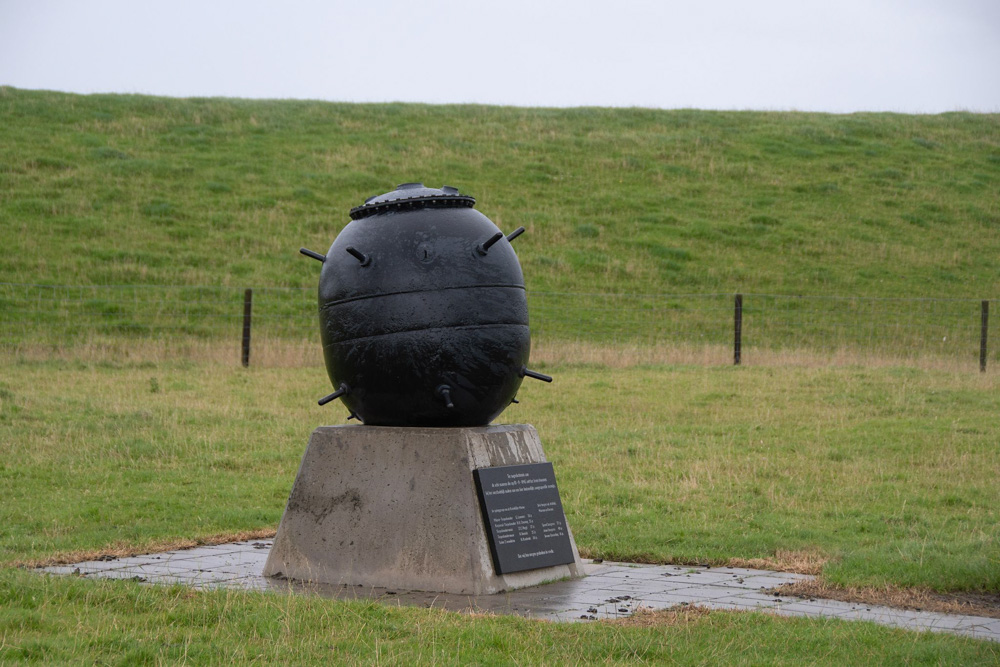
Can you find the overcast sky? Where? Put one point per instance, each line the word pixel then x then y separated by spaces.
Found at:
pixel 917 56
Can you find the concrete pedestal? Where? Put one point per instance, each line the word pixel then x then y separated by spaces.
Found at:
pixel 397 508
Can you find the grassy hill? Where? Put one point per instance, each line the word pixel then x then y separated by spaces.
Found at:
pixel 120 189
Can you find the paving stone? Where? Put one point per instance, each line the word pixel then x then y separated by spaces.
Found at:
pixel 678 587
pixel 692 593
pixel 214 549
pixel 167 579
pixel 980 632
pixel 991 626
pixel 175 571
pixel 608 589
pixel 651 572
pixel 945 622
pixel 614 588
pixel 94 566
pixel 124 562
pixel 63 569
pixel 754 594
pixel 832 608
pixel 115 574
pixel 665 600
pixel 767 581
pixel 700 578
pixel 804 608
pixel 735 604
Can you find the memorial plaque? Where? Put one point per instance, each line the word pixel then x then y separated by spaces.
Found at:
pixel 524 517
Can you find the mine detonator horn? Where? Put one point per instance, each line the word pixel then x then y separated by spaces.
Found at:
pixel 341 391
pixel 444 391
pixel 514 234
pixel 310 253
pixel 358 255
pixel 484 248
pixel 535 374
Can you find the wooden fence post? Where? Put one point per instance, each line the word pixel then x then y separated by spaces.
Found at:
pixel 738 330
pixel 247 311
pixel 982 335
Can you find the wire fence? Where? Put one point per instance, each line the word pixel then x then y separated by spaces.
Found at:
pixel 735 328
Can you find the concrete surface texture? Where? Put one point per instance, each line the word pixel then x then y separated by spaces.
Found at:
pixel 396 507
pixel 610 590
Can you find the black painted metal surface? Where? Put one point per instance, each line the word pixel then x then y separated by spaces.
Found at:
pixel 423 312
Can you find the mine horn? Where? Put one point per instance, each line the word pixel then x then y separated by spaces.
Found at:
pixel 311 253
pixel 343 389
pixel 535 374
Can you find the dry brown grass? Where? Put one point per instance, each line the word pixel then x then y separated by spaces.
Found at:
pixel 265 353
pixel 286 353
pixel 124 550
pixel 801 562
pixel 625 355
pixel 972 604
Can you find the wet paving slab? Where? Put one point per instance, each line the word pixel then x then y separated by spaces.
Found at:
pixel 609 591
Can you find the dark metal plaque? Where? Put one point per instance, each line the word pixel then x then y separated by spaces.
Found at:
pixel 524 517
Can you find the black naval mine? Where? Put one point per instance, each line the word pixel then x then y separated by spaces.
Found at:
pixel 422 311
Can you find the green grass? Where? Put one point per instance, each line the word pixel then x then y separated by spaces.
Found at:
pixel 52 620
pixel 117 189
pixel 889 473
pixel 216 195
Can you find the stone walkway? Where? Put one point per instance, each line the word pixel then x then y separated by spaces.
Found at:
pixel 611 590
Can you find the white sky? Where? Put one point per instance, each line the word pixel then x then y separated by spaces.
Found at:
pixel 915 56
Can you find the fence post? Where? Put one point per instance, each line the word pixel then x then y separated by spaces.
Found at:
pixel 982 335
pixel 738 330
pixel 247 311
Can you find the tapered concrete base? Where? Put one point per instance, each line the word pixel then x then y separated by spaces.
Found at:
pixel 397 508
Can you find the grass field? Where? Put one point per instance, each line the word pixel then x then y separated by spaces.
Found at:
pixel 117 189
pixel 211 196
pixel 888 474
pixel 873 474
pixel 58 620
